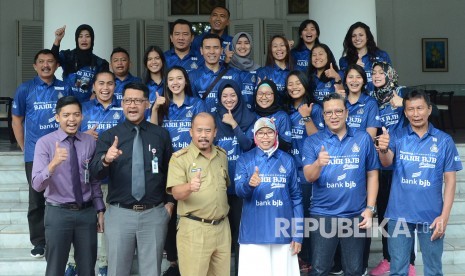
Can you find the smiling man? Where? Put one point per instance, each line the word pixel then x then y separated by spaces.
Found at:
pixel 120 63
pixel 61 169
pixel 134 155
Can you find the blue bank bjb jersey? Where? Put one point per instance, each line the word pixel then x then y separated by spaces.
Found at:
pixel 35 100
pixel 277 197
pixel 189 62
pixel 418 169
pixel 364 113
pixel 341 189
pixel 105 118
pixel 178 122
pixel 277 75
pixel 119 86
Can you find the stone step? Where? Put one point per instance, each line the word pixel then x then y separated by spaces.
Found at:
pixel 13 213
pixel 11 159
pixel 13 174
pixel 14 193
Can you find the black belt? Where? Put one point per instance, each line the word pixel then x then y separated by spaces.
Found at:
pixel 71 206
pixel 212 221
pixel 135 207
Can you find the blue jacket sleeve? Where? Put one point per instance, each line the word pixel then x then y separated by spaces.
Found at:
pixel 296 197
pixel 244 142
pixel 241 178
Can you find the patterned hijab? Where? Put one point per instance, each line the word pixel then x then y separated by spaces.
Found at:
pixel 384 94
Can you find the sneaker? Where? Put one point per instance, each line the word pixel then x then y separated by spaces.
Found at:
pixel 336 270
pixel 365 273
pixel 38 251
pixel 411 270
pixel 102 271
pixel 71 270
pixel 172 271
pixel 304 267
pixel 383 267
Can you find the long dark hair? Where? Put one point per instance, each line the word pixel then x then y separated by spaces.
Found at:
pixel 312 71
pixel 269 55
pixel 300 44
pixel 308 96
pixel 163 111
pixel 350 52
pixel 150 49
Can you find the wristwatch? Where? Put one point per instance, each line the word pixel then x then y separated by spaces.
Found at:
pixel 371 208
pixel 307 119
pixel 105 163
pixel 338 82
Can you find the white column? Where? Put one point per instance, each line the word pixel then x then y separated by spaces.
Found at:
pixel 336 16
pixel 72 13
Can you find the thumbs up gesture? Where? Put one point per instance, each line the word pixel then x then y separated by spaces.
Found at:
pixel 195 182
pixel 323 157
pixel 113 152
pixel 228 52
pixel 61 154
pixel 383 141
pixel 331 73
pixel 396 100
pixel 255 178
pixel 159 101
pixel 229 119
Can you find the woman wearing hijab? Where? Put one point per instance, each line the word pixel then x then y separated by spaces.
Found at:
pixel 266 105
pixel 388 95
pixel 80 64
pixel 242 59
pixel 234 122
pixel 267 183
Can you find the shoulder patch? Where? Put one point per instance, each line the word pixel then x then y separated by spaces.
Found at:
pixel 221 150
pixel 180 152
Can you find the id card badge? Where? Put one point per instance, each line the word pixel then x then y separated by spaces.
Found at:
pixel 86 172
pixel 154 162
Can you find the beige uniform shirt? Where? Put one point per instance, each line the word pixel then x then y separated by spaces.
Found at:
pixel 211 201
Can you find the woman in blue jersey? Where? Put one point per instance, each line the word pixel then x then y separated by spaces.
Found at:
pixel 388 95
pixel 278 64
pixel 309 33
pixel 363 109
pixel 80 64
pixel 360 48
pixel 266 180
pixel 266 105
pixel 154 62
pixel 242 59
pixel 234 122
pixel 306 118
pixel 323 71
pixel 174 110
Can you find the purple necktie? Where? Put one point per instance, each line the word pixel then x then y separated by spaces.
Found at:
pixel 75 177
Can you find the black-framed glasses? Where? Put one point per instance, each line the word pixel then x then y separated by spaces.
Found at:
pixel 136 101
pixel 261 134
pixel 337 112
pixel 266 94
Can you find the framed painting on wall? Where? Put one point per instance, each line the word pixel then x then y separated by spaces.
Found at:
pixel 435 55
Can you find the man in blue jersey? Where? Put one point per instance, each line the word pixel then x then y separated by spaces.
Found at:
pixel 33 117
pixel 211 72
pixel 423 157
pixel 119 63
pixel 181 53
pixel 219 21
pixel 342 165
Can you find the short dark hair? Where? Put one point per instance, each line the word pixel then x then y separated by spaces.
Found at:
pixel 181 22
pixel 212 36
pixel 416 94
pixel 119 50
pixel 333 96
pixel 103 72
pixel 45 52
pixel 203 114
pixel 224 8
pixel 67 100
pixel 137 86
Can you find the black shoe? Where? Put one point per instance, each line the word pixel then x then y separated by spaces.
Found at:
pixel 172 271
pixel 38 251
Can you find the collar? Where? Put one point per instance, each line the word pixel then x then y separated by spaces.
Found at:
pixel 128 77
pixel 277 68
pixel 153 83
pixel 63 135
pixel 329 134
pixel 362 99
pixel 114 102
pixel 184 103
pixel 428 132
pixel 208 70
pixel 196 152
pixel 261 154
pixel 142 125
pixel 39 81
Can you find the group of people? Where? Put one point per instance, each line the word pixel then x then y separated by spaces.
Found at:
pixel 208 153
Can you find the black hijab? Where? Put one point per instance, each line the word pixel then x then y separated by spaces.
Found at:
pixel 275 107
pixel 81 58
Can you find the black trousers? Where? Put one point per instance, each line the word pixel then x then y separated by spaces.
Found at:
pixel 170 242
pixel 35 212
pixel 64 227
pixel 234 216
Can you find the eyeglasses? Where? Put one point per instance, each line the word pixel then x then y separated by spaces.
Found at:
pixel 337 112
pixel 261 134
pixel 267 95
pixel 128 101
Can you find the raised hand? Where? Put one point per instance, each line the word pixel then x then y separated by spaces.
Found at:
pixel 159 101
pixel 305 110
pixel 93 132
pixel 331 73
pixel 255 178
pixel 195 182
pixel 383 141
pixel 59 34
pixel 323 157
pixel 61 154
pixel 228 52
pixel 396 101
pixel 113 152
pixel 229 119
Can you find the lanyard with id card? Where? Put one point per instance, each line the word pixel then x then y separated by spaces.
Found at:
pixel 154 161
pixel 86 171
